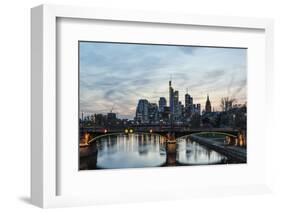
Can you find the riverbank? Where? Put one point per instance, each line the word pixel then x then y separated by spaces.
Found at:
pixel 234 153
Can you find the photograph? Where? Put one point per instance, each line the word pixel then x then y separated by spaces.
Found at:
pixel 161 105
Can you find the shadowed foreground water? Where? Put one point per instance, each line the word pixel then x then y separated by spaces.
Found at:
pixel 144 150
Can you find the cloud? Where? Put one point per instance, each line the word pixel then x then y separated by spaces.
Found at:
pixel 214 74
pixel 120 74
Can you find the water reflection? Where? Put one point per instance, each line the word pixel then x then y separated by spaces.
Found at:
pixel 144 150
pixel 131 151
pixel 191 153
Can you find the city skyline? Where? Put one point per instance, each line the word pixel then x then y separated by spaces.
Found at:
pixel 118 75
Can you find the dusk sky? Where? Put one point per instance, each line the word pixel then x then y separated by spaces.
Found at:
pixel 118 75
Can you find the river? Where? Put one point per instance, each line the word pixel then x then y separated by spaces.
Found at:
pixel 144 150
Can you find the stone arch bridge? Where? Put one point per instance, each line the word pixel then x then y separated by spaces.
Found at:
pixel 175 132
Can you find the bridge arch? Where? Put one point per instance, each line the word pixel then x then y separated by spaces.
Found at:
pixel 123 134
pixel 103 135
pixel 207 132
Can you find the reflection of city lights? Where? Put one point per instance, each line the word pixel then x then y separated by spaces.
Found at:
pixel 86 138
pixel 241 139
pixel 228 139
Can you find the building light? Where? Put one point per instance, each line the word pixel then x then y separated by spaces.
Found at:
pixel 126 131
pixel 131 131
pixel 105 131
pixel 150 130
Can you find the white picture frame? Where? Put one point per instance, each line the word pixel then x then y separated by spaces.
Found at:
pixel 44 147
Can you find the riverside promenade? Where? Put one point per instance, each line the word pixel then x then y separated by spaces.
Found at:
pixel 235 154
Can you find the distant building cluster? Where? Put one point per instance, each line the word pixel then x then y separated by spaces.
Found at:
pixel 176 111
pixel 109 119
pixel 173 111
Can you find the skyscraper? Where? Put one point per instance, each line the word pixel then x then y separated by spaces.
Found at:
pixel 171 101
pixel 208 107
pixel 176 106
pixel 181 110
pixel 198 108
pixel 188 104
pixel 142 112
pixel 162 104
pixel 153 114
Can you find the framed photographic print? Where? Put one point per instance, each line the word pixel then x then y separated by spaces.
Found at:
pixel 148 105
pixel 132 116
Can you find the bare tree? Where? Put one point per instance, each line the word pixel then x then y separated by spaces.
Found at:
pixel 227 103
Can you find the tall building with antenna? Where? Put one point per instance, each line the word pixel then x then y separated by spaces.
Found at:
pixel 171 100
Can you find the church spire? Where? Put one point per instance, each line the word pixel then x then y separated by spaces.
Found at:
pixel 208 107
